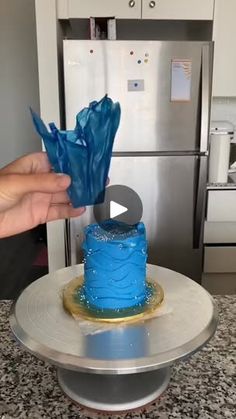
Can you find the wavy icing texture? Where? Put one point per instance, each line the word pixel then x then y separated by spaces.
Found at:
pixel 115 265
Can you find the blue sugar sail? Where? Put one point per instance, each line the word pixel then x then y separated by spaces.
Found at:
pixel 85 152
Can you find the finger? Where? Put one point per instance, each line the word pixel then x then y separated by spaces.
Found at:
pixel 58 212
pixel 31 163
pixel 60 198
pixel 15 186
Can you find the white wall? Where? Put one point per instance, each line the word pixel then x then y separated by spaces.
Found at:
pixel 224 109
pixel 18 79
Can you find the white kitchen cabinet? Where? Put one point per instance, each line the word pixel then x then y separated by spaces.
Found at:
pixel 135 9
pixel 220 259
pixel 221 206
pixel 224 35
pixel 219 283
pixel 219 232
pixel 219 270
pixel 123 9
pixel 178 9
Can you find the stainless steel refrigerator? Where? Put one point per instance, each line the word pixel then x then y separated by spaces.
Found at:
pixel 161 147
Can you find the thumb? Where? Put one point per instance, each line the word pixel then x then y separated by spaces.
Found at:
pixel 16 185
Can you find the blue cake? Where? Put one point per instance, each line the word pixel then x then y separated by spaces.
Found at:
pixel 115 265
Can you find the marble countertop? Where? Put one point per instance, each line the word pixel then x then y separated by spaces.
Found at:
pixel 203 387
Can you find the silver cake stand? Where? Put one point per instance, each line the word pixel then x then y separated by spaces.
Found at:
pixel 122 368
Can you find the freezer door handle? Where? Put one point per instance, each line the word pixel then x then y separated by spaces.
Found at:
pixel 205 99
pixel 199 208
pixel 67 243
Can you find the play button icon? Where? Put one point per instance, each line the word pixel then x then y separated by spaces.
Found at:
pixel 116 209
pixel 121 204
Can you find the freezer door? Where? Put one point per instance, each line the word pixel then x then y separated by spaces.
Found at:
pixel 163 89
pixel 172 208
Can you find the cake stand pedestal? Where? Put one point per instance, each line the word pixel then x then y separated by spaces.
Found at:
pixel 124 367
pixel 114 393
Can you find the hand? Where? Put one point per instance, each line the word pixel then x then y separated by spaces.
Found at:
pixel 31 195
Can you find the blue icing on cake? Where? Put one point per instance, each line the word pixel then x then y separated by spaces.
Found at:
pixel 115 265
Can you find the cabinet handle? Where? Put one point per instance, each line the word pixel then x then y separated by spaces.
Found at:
pixel 152 4
pixel 131 3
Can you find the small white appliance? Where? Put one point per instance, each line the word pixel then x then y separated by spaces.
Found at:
pixel 222 133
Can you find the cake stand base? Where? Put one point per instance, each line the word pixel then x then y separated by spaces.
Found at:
pixel 125 367
pixel 114 393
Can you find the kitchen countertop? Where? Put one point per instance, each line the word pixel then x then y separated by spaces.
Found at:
pixel 203 387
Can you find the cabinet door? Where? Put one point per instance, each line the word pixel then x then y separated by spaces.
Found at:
pixel 178 9
pixel 221 206
pixel 124 9
pixel 224 34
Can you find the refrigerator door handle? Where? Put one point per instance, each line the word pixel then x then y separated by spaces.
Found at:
pixel 67 243
pixel 199 208
pixel 205 99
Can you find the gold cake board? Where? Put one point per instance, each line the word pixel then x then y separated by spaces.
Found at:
pixel 79 310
